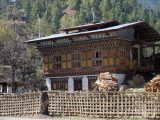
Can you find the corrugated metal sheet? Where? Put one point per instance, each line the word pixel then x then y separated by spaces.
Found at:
pixel 83 33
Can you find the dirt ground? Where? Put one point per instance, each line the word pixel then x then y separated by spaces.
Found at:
pixel 43 117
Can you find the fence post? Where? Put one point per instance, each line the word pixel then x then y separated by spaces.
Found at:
pixel 44 103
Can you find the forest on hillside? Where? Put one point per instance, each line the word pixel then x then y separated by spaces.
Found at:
pixel 19 22
pixel 57 14
pixel 152 4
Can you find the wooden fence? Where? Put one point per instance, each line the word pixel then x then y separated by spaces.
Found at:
pixel 105 104
pixel 27 103
pixel 92 104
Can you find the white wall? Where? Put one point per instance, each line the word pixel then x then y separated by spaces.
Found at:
pixel 48 83
pixel 84 83
pixel 70 84
pixel 121 77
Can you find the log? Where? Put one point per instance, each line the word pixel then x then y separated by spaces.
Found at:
pixel 153 85
pixel 106 82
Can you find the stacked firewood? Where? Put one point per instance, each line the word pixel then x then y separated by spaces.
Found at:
pixel 153 85
pixel 106 82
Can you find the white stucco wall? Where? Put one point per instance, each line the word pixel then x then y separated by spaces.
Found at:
pixel 48 83
pixel 121 77
pixel 70 84
pixel 84 83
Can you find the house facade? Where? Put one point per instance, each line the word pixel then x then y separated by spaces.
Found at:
pixel 74 59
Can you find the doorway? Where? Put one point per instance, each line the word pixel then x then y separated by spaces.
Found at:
pixel 77 84
pixel 157 64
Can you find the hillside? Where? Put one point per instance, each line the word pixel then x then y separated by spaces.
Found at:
pixel 57 14
pixel 151 4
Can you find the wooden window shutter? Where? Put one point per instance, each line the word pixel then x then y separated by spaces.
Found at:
pixel 45 59
pixel 69 57
pixel 117 52
pixel 117 61
pixel 63 57
pixel 89 54
pixel 66 85
pixel 105 53
pixel 84 63
pixel 68 64
pixel 128 54
pixel 45 67
pixel 110 52
pixel 54 86
pixel 64 65
pixel 50 66
pixel 89 63
pixel 111 61
pixel 105 62
pixel 83 55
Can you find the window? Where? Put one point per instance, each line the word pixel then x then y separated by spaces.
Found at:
pixel 105 57
pixel 66 61
pixel 57 62
pixel 86 59
pixel 123 58
pixel 48 63
pixel 111 56
pixel 76 60
pixel 117 57
pixel 59 84
pixel 97 58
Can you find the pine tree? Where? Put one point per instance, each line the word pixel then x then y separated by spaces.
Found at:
pixel 105 6
pixel 75 4
pixel 56 15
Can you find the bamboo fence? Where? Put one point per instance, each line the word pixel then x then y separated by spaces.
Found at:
pixel 27 103
pixel 105 104
pixel 87 104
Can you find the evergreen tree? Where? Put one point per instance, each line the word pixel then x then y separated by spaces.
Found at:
pixel 56 15
pixel 75 4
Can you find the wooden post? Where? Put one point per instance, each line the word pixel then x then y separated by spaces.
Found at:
pixel 154 56
pixel 44 103
pixel 140 55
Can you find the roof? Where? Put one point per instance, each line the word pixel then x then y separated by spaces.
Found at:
pixel 147 32
pixel 94 26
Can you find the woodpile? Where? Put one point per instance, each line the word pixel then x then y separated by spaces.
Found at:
pixel 153 85
pixel 106 82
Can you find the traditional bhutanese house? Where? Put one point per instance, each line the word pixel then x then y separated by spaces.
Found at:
pixel 74 59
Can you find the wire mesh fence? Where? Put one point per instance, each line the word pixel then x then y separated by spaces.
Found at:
pixel 87 104
pixel 105 104
pixel 27 103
